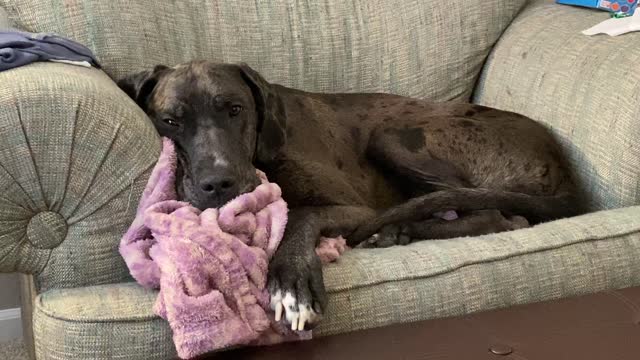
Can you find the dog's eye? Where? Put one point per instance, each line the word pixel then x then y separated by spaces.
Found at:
pixel 170 122
pixel 235 110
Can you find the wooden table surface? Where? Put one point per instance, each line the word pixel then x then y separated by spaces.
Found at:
pixel 604 326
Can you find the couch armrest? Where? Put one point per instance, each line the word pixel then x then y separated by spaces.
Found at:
pixel 74 158
pixel 586 89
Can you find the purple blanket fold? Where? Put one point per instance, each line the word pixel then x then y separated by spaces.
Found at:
pixel 210 266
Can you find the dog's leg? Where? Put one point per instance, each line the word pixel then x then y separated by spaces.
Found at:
pixel 295 273
pixel 475 223
pixel 440 186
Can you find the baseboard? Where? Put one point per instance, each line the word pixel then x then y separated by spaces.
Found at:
pixel 10 324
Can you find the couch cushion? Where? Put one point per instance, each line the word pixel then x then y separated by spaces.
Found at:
pixel 369 288
pixel 100 322
pixel 430 48
pixel 586 89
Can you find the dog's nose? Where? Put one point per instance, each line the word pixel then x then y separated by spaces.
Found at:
pixel 219 185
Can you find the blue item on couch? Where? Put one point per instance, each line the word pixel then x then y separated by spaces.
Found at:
pixel 626 7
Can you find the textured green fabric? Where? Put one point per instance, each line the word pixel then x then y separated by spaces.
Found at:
pixel 587 89
pixel 75 155
pixel 4 19
pixel 100 322
pixel 47 230
pixel 369 288
pixel 429 48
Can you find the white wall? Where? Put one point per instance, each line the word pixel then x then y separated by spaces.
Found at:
pixel 10 324
pixel 9 291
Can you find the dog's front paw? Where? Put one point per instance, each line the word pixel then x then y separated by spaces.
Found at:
pixel 297 290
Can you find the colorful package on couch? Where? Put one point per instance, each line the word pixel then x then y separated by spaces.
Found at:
pixel 626 7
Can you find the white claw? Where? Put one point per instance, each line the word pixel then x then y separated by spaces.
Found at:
pixel 287 307
pixel 307 315
pixel 276 304
pixel 290 309
pixel 279 308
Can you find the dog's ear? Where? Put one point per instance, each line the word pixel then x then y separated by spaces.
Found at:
pixel 272 120
pixel 140 85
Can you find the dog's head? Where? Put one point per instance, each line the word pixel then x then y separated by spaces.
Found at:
pixel 223 119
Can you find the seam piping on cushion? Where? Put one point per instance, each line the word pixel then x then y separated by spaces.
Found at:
pixel 45 311
pixel 486 261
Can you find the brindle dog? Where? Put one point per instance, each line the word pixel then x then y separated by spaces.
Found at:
pixel 374 167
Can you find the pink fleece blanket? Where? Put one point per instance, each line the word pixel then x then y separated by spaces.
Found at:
pixel 211 266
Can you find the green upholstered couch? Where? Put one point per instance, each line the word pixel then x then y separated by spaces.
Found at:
pixel 75 152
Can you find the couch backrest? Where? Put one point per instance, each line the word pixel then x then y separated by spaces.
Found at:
pixel 422 48
pixel 427 49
